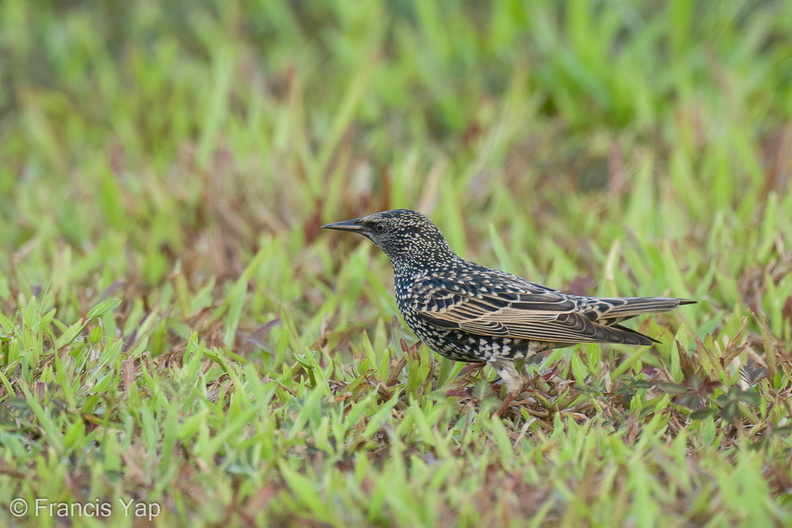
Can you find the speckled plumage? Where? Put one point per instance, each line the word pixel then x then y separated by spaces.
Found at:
pixel 468 312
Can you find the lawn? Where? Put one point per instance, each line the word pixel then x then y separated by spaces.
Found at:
pixel 182 345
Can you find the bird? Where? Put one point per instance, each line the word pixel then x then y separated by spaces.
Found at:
pixel 471 313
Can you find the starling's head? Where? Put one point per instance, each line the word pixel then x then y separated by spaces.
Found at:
pixel 405 236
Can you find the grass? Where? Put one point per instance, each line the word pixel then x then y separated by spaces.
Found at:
pixel 175 330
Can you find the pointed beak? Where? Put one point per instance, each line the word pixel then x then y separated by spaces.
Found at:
pixel 346 225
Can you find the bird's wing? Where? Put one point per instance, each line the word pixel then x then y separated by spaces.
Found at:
pixel 535 314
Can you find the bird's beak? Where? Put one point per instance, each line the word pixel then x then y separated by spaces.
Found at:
pixel 346 225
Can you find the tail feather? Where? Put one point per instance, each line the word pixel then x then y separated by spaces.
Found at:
pixel 626 307
pixel 606 314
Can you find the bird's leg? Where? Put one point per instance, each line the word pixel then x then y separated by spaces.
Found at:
pixel 524 372
pixel 511 378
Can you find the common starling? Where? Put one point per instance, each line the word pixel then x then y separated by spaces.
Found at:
pixel 467 312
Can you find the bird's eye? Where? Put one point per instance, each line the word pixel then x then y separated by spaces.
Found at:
pixel 380 227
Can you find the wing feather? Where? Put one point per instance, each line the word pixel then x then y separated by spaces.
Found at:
pixel 550 316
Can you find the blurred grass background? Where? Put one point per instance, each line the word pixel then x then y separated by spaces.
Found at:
pixel 174 327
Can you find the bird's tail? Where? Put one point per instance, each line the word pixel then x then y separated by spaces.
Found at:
pixel 626 307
